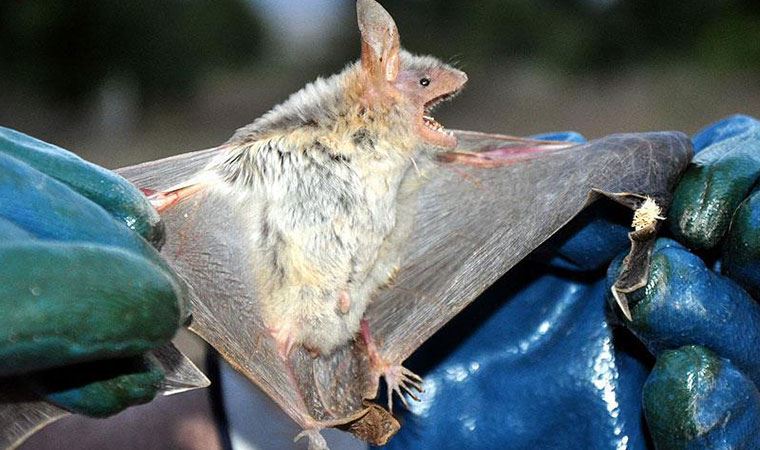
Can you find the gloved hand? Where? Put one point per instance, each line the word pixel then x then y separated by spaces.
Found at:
pixel 703 326
pixel 80 282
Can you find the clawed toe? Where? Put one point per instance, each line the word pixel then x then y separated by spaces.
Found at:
pixel 402 381
pixel 398 379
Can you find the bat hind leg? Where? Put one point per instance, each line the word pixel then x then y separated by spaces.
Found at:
pixel 401 380
pixel 284 340
pixel 398 379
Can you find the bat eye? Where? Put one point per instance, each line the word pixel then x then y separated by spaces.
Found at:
pixel 425 82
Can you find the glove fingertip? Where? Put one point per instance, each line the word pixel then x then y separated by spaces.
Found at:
pixel 723 129
pixel 713 186
pixel 694 399
pixel 741 252
pixel 103 388
pixel 111 192
pixel 130 304
pixel 562 136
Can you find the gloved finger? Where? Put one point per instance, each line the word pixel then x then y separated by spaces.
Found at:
pixel 685 303
pixel 695 400
pixel 112 192
pixel 50 210
pixel 723 129
pixel 11 232
pixel 741 251
pixel 101 388
pixel 715 183
pixel 64 303
pixel 561 136
pixel 593 237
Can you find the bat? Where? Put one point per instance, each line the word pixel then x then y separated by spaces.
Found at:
pixel 328 239
pixel 484 207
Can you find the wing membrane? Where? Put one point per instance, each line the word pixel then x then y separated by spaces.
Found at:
pixel 482 210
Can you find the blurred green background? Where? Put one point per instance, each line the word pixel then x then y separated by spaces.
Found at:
pixel 125 81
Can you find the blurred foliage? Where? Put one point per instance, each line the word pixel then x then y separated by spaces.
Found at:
pixel 66 48
pixel 581 35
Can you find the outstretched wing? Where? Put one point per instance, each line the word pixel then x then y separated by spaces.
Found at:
pixel 475 222
pixel 483 209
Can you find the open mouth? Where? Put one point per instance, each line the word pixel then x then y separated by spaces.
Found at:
pixel 433 124
pixel 433 131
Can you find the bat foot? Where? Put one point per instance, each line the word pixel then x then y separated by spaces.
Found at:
pixel 401 380
pixel 316 440
pixel 398 379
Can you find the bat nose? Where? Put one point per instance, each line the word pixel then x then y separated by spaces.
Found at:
pixel 462 77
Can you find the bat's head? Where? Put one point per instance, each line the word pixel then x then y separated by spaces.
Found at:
pixel 416 84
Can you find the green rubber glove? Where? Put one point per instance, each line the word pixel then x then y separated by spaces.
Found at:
pixel 699 312
pixel 84 293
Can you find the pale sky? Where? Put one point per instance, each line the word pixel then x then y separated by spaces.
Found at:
pixel 302 25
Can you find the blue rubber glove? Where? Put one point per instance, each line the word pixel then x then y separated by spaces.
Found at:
pixel 79 281
pixel 533 363
pixel 704 327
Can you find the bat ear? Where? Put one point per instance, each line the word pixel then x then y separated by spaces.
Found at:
pixel 380 40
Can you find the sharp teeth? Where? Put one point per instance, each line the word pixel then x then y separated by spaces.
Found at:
pixel 433 124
